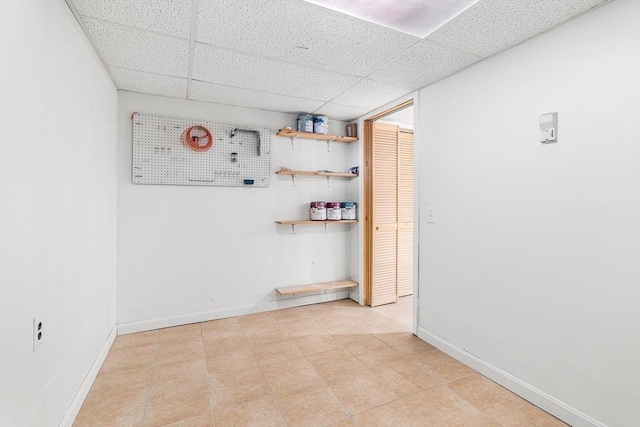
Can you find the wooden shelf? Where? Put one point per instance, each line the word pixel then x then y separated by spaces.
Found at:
pixel 310 222
pixel 317 173
pixel 316 287
pixel 317 136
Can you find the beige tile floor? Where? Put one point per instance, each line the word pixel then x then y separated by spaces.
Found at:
pixel 328 364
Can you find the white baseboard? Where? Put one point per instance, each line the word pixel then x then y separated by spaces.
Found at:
pixel 82 393
pixel 204 316
pixel 539 398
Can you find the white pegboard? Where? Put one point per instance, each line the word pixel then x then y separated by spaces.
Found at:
pixel 159 157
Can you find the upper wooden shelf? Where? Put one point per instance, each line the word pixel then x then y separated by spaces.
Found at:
pixel 317 173
pixel 316 136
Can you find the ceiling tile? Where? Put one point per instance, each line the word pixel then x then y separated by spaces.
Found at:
pixel 139 50
pixel 170 17
pixel 226 67
pixel 370 94
pixel 300 32
pixel 491 26
pixel 138 81
pixel 340 112
pixel 423 64
pixel 202 91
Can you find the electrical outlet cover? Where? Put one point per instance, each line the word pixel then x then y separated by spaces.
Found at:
pixel 37 332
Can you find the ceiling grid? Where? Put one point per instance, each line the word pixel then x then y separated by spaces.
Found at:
pixel 293 56
pixel 192 42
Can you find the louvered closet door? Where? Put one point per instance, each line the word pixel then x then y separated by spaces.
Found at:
pixel 405 212
pixel 384 270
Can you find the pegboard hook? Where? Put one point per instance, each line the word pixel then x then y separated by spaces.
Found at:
pixel 255 132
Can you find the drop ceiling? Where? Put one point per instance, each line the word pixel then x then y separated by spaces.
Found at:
pixel 293 56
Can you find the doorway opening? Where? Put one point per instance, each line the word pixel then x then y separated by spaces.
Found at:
pixel 388 207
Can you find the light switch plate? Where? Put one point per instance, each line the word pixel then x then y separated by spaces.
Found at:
pixel 431 215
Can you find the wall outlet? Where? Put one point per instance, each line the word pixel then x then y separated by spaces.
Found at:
pixel 37 332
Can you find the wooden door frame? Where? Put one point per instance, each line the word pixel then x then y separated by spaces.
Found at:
pixel 367 196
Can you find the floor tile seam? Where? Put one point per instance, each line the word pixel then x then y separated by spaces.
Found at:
pixel 400 399
pixel 146 400
pixel 362 362
pixel 293 319
pixel 323 351
pixel 376 406
pixel 326 384
pixel 512 411
pixel 181 360
pixel 429 351
pixel 420 391
pixel 248 341
pixel 426 420
pixel 457 379
pixel 273 395
pixel 495 418
pixel 341 420
pixel 481 409
pixel 206 367
pixel 428 424
pixel 343 404
pixel 463 398
pixel 390 386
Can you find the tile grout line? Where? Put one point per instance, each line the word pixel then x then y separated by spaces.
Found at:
pixel 340 400
pixel 425 360
pixel 206 367
pixel 153 362
pixel 262 372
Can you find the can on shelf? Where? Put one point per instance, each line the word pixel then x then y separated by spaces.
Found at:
pixel 352 129
pixel 348 210
pixel 333 211
pixel 318 211
pixel 305 123
pixel 321 124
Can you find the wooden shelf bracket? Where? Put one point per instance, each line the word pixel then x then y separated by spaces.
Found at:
pixel 329 141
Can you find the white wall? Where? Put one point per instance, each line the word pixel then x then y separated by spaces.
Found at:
pixel 189 253
pixel 533 262
pixel 58 195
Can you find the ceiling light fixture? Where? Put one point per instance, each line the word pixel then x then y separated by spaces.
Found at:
pixel 416 17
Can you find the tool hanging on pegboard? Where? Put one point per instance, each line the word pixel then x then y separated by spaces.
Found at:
pixel 194 140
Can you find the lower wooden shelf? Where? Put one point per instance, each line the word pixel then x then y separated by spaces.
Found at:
pixel 316 287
